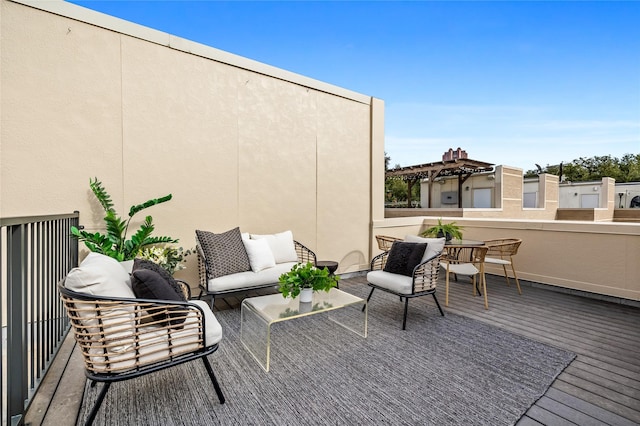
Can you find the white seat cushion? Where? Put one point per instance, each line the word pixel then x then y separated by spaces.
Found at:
pixel 248 279
pixel 461 268
pixel 397 283
pixel 496 261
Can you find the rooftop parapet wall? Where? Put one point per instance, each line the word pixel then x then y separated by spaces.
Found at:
pixel 599 258
pixel 237 143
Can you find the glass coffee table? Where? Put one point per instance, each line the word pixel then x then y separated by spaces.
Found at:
pixel 258 314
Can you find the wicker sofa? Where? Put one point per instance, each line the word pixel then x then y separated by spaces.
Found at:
pixel 234 262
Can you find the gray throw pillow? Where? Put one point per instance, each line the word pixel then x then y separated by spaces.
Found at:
pixel 224 253
pixel 403 257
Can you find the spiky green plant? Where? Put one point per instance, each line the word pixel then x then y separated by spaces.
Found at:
pixel 115 243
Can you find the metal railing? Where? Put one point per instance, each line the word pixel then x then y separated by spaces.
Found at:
pixel 35 254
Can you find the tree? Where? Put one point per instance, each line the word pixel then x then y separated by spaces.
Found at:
pixel 625 169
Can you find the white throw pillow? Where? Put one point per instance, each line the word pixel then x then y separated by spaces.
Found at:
pixel 100 275
pixel 260 254
pixel 434 245
pixel 282 246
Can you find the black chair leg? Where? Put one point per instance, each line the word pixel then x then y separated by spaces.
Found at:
pixel 216 386
pixel 368 298
pixel 96 406
pixel 438 304
pixel 406 306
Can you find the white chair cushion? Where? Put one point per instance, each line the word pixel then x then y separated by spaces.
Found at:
pixel 461 268
pixel 397 283
pixel 282 246
pixel 156 343
pixel 434 245
pixel 496 261
pixel 100 275
pixel 260 254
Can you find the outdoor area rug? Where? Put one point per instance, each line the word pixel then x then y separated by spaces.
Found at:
pixel 440 371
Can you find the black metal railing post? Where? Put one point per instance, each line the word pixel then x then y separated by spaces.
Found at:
pixel 38 252
pixel 17 321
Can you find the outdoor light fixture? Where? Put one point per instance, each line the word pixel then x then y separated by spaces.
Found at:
pixel 491 176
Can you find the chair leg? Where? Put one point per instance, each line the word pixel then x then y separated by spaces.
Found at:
pixel 96 406
pixel 368 298
pixel 216 386
pixel 438 304
pixel 406 307
pixel 506 276
pixel 446 290
pixel 515 277
pixel 483 280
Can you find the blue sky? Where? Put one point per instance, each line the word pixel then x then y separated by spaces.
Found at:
pixel 511 82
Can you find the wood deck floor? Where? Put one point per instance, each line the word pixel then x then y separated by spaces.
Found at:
pixel 600 387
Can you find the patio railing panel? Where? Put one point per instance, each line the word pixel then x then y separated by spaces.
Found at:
pixel 35 254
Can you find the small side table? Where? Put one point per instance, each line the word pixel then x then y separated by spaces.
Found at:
pixel 331 265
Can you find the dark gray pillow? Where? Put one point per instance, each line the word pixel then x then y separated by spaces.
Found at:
pixel 403 257
pixel 224 253
pixel 147 284
pixel 151 266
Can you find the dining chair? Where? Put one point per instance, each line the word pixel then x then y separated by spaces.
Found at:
pixel 466 261
pixel 501 252
pixel 385 242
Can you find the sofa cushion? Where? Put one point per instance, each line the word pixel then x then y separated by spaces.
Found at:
pixel 403 257
pixel 434 245
pixel 260 254
pixel 282 246
pixel 243 280
pixel 166 276
pixel 224 253
pixel 100 275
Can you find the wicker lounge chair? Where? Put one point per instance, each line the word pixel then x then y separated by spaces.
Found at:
pixel 422 282
pixel 123 338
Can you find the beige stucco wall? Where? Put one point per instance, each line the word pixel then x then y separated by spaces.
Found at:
pixel 236 142
pixel 599 258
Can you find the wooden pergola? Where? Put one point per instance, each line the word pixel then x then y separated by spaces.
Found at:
pixel 463 168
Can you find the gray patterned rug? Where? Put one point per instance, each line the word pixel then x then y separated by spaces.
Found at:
pixel 440 371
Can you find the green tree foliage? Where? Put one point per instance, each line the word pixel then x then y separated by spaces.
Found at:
pixel 625 169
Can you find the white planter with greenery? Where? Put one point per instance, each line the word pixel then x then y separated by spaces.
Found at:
pixel 306 276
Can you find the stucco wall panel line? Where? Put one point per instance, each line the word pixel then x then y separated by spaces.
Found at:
pixel 118 25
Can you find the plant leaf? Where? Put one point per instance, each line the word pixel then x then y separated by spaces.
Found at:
pixel 135 209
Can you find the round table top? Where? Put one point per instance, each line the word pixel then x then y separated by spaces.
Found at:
pixel 331 265
pixel 455 242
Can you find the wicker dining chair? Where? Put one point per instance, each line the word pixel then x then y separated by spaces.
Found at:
pixel 501 252
pixel 385 242
pixel 466 261
pixel 122 338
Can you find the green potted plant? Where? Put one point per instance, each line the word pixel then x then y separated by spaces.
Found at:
pixel 447 230
pixel 114 242
pixel 304 279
